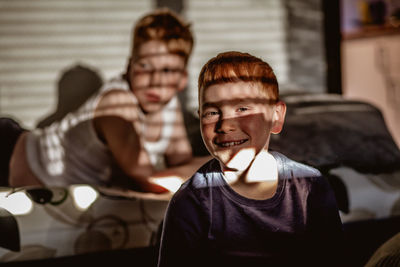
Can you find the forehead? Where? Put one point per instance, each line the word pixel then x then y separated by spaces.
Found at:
pixel 157 52
pixel 237 91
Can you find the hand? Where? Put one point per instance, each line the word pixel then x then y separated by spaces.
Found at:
pixel 172 178
pixel 167 180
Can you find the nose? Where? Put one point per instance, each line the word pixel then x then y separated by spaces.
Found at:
pixel 226 125
pixel 155 78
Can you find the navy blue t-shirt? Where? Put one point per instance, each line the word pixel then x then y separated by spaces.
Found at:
pixel 207 223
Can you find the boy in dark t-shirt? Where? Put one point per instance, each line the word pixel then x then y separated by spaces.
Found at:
pixel 248 206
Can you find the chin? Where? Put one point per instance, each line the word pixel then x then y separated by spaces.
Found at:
pixel 151 108
pixel 224 158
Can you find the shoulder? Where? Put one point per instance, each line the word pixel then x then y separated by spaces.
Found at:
pixel 116 92
pixel 117 102
pixel 303 177
pixel 116 83
pixel 193 201
pixel 117 96
pixel 198 185
pixel 206 175
pixel 309 181
pixel 289 168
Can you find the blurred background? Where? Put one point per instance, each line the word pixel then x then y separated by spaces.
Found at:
pixel 54 54
pixel 348 47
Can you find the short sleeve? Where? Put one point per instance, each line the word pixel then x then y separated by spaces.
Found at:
pixel 184 230
pixel 324 223
pixel 322 207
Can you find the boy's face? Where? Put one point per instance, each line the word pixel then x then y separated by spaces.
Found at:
pixel 238 116
pixel 156 76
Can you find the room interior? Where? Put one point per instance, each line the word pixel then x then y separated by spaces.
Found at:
pixel 338 66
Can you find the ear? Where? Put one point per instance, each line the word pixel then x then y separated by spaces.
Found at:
pixel 278 118
pixel 183 81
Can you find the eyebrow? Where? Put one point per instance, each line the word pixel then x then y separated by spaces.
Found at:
pixel 168 64
pixel 208 105
pixel 148 55
pixel 237 101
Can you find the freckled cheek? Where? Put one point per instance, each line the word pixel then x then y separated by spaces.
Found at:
pixel 139 80
pixel 250 124
pixel 207 131
pixel 256 127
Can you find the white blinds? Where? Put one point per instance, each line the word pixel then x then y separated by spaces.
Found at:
pixel 254 26
pixel 40 39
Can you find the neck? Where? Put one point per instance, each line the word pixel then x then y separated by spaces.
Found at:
pixel 151 125
pixel 150 117
pixel 259 181
pixel 263 168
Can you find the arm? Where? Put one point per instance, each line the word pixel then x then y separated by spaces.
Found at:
pixel 323 212
pixel 324 222
pixel 184 235
pixel 115 119
pixel 172 178
pixel 181 164
pixel 114 122
pixel 123 141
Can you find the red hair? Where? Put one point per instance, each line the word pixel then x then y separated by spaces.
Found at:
pixel 166 26
pixel 236 66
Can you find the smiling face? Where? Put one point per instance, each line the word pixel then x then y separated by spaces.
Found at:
pixel 156 76
pixel 238 116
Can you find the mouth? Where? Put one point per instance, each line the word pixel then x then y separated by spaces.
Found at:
pixel 154 98
pixel 227 144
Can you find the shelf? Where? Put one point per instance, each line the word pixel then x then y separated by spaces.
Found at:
pixel 371 31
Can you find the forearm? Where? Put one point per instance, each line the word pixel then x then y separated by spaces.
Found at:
pixel 172 178
pixel 185 171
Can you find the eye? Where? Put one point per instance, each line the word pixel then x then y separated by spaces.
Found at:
pixel 170 70
pixel 211 113
pixel 167 70
pixel 242 109
pixel 142 66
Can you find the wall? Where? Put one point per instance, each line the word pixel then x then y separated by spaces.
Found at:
pixel 42 38
pixel 254 26
pixel 370 53
pixel 371 73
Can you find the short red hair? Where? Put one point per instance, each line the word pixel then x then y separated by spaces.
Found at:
pixel 235 67
pixel 166 26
